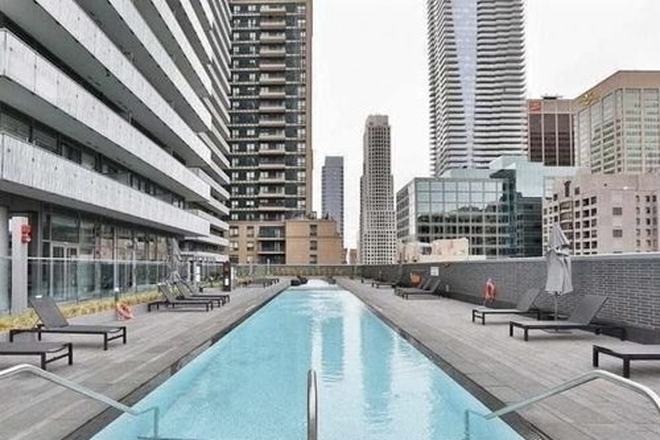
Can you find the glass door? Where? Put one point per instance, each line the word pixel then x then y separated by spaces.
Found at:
pixel 64 263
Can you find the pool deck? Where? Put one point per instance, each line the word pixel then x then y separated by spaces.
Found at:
pixel 512 370
pixel 31 408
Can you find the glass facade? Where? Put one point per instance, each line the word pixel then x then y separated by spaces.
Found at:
pixel 79 256
pixel 620 133
pixel 500 210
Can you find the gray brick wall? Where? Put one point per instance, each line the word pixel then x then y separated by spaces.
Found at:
pixel 632 283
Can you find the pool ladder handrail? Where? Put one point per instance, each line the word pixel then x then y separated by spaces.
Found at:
pixel 77 388
pixel 312 406
pixel 579 381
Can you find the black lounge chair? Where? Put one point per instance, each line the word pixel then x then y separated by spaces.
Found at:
pixel 431 290
pixel 41 349
pixel 580 319
pixel 425 284
pixel 53 321
pixel 211 293
pixel 186 293
pixel 393 283
pixel 628 354
pixel 523 307
pixel 170 300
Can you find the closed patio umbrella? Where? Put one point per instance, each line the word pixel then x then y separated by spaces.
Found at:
pixel 558 260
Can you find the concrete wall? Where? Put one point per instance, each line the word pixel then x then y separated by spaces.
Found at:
pixel 632 283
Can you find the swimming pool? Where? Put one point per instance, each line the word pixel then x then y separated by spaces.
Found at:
pixel 251 385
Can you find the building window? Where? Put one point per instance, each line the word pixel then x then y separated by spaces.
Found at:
pixel 617 211
pixel 250 231
pixel 233 231
pixel 617 233
pixel 313 230
pixel 313 245
pixel 250 245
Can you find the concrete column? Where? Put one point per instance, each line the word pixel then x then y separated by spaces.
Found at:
pixel 19 266
pixel 4 259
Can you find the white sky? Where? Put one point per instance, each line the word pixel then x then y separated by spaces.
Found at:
pixel 370 57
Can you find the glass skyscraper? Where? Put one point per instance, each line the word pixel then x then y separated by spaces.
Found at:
pixel 477 82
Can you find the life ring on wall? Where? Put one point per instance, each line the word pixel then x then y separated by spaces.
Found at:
pixel 491 291
pixel 124 311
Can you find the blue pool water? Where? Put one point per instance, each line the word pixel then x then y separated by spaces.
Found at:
pixel 251 385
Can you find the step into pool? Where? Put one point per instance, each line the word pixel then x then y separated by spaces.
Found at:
pixel 252 384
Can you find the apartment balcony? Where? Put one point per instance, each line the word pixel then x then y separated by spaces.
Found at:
pixel 272 165
pixel 272 136
pixel 272 66
pixel 273 179
pixel 33 85
pixel 272 25
pixel 272 108
pixel 275 11
pixel 33 172
pixel 272 122
pixel 272 194
pixel 274 37
pixel 272 150
pixel 272 207
pixel 272 79
pixel 272 94
pixel 266 52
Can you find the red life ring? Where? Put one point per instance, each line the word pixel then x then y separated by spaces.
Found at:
pixel 491 290
pixel 124 311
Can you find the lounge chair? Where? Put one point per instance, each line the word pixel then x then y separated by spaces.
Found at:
pixel 628 354
pixel 53 321
pixel 523 307
pixel 170 300
pixel 393 284
pixel 425 284
pixel 41 349
pixel 580 319
pixel 431 290
pixel 186 293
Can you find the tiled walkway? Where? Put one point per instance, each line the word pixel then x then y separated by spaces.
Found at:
pixel 512 369
pixel 32 409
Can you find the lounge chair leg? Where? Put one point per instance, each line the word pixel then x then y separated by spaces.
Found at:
pixel 594 357
pixel 70 345
pixel 43 361
pixel 124 334
pixel 526 334
pixel 626 368
pixel 473 315
pixel 538 314
pixel 11 335
pixel 483 319
pixel 39 336
pixel 105 341
pixel 510 330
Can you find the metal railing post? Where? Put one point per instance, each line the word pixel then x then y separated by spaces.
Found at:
pixel 77 388
pixel 312 406
pixel 578 381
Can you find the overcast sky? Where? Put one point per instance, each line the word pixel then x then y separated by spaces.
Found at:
pixel 370 57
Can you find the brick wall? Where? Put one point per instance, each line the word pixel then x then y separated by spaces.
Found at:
pixel 632 283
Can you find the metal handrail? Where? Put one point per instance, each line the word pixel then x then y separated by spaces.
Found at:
pixel 72 386
pixel 578 381
pixel 312 407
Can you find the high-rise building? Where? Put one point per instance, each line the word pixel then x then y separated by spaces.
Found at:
pixel 605 213
pixel 550 138
pixel 477 82
pixel 113 133
pixel 332 190
pixel 616 124
pixel 499 210
pixel 377 243
pixel 271 115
